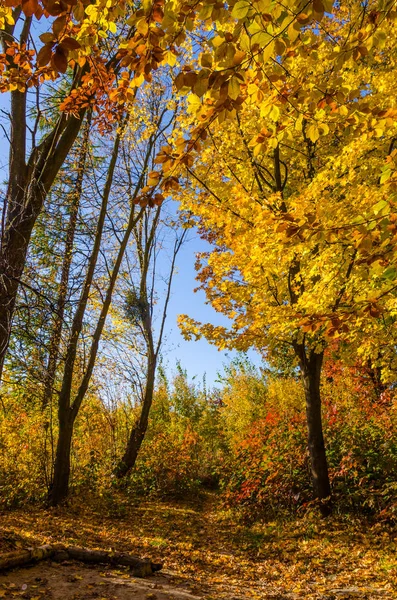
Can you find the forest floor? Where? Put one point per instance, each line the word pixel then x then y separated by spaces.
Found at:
pixel 206 554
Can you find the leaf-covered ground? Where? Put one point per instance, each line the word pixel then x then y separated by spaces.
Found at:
pixel 206 554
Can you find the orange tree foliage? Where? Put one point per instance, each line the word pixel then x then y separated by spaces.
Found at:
pixel 242 46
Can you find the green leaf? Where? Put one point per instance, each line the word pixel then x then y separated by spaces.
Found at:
pixel 386 174
pixel 379 206
pixel 390 273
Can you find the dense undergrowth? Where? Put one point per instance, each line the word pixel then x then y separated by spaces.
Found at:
pixel 246 440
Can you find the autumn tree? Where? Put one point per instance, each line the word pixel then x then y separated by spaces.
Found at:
pixel 296 194
pixel 86 55
pixel 99 53
pixel 126 175
pixel 309 67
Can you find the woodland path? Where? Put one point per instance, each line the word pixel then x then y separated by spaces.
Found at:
pixel 206 554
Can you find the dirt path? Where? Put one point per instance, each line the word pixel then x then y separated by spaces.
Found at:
pixel 73 581
pixel 206 554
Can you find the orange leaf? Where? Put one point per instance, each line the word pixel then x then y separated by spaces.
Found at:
pixel 69 43
pixel 59 60
pixel 157 14
pixel 44 56
pixel 29 7
pixel 47 37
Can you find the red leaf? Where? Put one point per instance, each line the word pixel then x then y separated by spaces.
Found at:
pixel 54 8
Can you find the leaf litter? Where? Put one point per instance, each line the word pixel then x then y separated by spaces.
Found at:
pixel 207 554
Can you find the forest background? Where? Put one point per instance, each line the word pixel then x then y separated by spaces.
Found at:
pixel 273 126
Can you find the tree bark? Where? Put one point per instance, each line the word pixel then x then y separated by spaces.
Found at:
pixel 127 462
pixel 75 197
pixel 139 567
pixel 60 485
pixel 311 365
pixel 66 411
pixel 137 435
pixel 17 558
pixel 28 187
pixel 69 410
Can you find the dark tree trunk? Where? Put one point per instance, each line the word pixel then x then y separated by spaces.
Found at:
pixel 311 364
pixel 375 374
pixel 60 485
pixel 28 187
pixel 55 340
pixel 14 246
pixel 138 433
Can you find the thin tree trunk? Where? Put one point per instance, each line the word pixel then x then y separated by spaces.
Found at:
pixel 127 462
pixel 137 435
pixel 68 409
pixel 67 261
pixel 311 364
pixel 65 404
pixel 66 414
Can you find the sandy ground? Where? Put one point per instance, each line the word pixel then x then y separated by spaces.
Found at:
pixel 73 581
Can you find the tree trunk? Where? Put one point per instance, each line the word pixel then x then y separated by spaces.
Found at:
pixel 68 410
pixel 28 187
pixel 13 251
pixel 138 566
pixel 138 433
pixel 60 485
pixel 19 558
pixel 311 364
pixel 55 340
pixel 375 375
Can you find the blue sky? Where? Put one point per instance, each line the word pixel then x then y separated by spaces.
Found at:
pixel 197 357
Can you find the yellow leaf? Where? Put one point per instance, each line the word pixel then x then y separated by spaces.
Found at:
pixel 240 9
pixel 274 113
pixel 233 88
pixel 313 133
